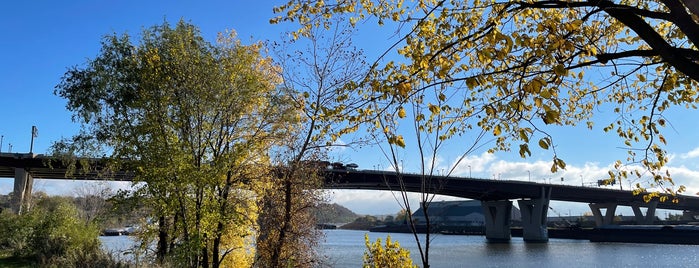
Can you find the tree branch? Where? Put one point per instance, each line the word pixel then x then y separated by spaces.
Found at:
pixel 652 38
pixel 683 20
pixel 605 57
pixel 566 4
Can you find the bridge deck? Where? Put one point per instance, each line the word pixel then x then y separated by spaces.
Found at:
pixel 481 189
pixel 485 189
pixel 43 167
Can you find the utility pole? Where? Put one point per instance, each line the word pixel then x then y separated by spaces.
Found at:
pixel 1 137
pixel 35 133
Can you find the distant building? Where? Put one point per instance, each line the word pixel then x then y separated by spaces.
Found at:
pixel 457 213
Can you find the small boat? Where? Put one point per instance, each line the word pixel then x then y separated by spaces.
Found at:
pixel 113 232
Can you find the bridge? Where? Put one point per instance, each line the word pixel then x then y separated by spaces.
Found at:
pixel 495 195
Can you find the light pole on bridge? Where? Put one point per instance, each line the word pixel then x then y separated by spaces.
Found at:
pixel 530 175
pixel 35 133
pixel 469 172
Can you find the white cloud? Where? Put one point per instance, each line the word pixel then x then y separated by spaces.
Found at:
pixel 684 176
pixel 472 165
pixel 339 146
pixel 691 154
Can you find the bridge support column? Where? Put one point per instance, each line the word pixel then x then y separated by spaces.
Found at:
pixel 534 212
pixel 497 220
pixel 608 217
pixel 650 212
pixel 22 192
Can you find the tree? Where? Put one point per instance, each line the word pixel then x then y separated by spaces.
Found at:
pixel 314 72
pixel 523 65
pixel 402 216
pixel 288 233
pixel 431 125
pixel 91 200
pixel 195 122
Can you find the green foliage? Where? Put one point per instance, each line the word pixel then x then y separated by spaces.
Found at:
pixel 390 255
pixel 52 234
pixel 194 121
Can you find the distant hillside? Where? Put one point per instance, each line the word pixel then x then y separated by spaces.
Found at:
pixel 362 223
pixel 334 213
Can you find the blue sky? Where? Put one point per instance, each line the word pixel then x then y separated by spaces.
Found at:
pixel 41 39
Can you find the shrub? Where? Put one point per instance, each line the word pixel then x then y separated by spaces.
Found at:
pixel 389 256
pixel 52 235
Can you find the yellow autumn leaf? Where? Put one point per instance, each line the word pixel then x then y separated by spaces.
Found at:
pixel 551 116
pixel 560 70
pixel 560 163
pixel 524 151
pixel 434 108
pixel 545 94
pixel 401 112
pixel 403 89
pixel 442 97
pixel 471 82
pixel 399 141
pixel 523 135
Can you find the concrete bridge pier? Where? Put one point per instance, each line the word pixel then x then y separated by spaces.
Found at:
pixel 608 217
pixel 22 193
pixel 650 211
pixel 497 220
pixel 534 213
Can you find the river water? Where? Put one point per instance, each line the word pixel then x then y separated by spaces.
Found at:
pixel 344 248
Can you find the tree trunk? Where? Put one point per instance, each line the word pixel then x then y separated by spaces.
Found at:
pixel 205 253
pixel 285 225
pixel 223 215
pixel 162 240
